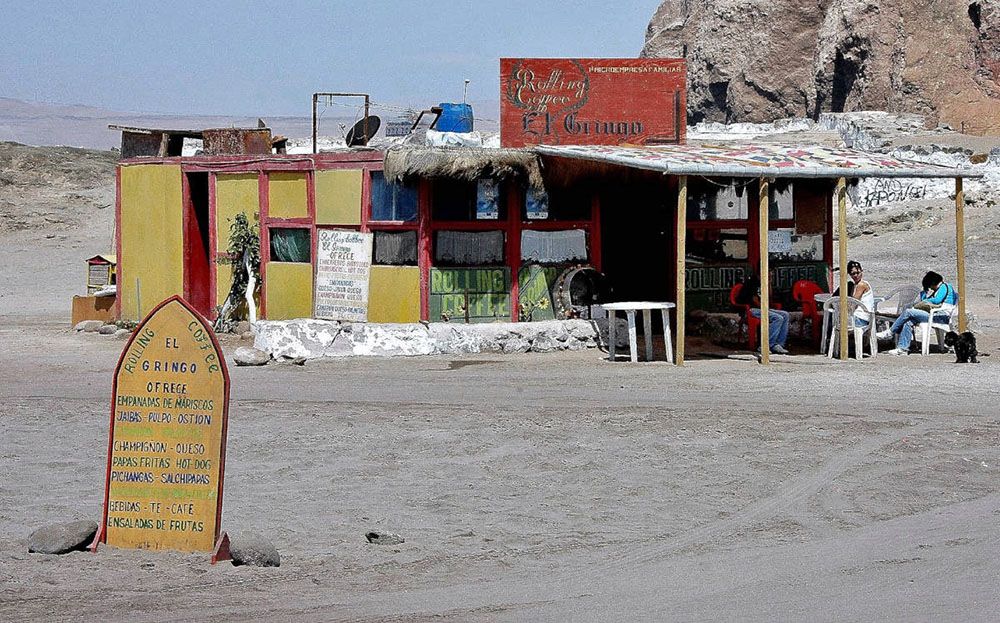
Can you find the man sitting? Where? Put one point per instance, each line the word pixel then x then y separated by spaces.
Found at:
pixel 778 318
pixel 937 294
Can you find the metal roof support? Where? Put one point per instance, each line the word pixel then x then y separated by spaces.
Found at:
pixel 679 312
pixel 960 252
pixel 765 274
pixel 842 250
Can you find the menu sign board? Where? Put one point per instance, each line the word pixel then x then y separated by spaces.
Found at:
pixel 343 269
pixel 564 101
pixel 167 443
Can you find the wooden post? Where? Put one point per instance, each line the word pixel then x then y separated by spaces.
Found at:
pixel 765 273
pixel 960 251
pixel 842 235
pixel 679 314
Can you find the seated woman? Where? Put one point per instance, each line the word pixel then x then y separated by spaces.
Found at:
pixel 935 292
pixel 778 318
pixel 862 290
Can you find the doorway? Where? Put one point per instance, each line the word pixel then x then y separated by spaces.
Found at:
pixel 197 239
pixel 637 236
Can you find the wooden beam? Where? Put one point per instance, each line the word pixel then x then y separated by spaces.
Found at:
pixel 842 236
pixel 679 311
pixel 960 251
pixel 765 273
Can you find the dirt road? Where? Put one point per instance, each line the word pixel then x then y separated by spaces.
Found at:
pixel 537 487
pixel 530 488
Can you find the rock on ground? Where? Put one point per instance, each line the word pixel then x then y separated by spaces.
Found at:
pixel 89 326
pixel 62 538
pixel 384 538
pixel 108 329
pixel 247 356
pixel 253 550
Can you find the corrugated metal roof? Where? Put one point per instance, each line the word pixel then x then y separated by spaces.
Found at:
pixel 755 161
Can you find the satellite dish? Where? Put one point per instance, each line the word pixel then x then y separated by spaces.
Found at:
pixel 363 131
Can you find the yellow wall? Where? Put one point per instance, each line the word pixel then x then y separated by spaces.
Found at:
pixel 289 290
pixel 152 237
pixel 338 197
pixel 287 195
pixel 234 193
pixel 394 294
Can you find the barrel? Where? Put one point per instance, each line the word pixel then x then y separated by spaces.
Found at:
pixel 454 118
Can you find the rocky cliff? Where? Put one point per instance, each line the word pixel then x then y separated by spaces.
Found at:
pixel 760 60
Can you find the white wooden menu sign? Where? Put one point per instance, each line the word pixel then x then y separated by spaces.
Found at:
pixel 343 268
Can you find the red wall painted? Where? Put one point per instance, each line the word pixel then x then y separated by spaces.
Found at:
pixel 561 101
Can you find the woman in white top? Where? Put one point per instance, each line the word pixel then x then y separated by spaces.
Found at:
pixel 862 291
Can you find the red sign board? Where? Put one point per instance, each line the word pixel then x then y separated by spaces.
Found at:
pixel 612 101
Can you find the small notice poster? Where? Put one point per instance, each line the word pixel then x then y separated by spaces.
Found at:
pixel 343 268
pixel 167 442
pixel 779 241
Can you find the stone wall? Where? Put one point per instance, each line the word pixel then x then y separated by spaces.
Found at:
pixel 311 339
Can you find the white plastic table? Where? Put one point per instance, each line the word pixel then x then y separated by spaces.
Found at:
pixel 647 307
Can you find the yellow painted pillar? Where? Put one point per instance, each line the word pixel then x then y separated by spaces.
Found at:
pixel 682 191
pixel 842 234
pixel 960 251
pixel 765 273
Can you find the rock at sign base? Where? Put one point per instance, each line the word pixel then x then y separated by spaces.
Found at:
pixel 90 326
pixel 384 538
pixel 253 550
pixel 122 334
pixel 248 356
pixel 108 329
pixel 62 538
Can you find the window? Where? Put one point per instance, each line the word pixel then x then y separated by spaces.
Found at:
pixel 392 201
pixel 453 200
pixel 780 205
pixel 570 204
pixel 554 247
pixel 291 244
pixel 717 245
pixel 795 247
pixel 718 202
pixel 469 248
pixel 395 248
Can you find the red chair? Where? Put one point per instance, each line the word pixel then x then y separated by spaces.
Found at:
pixel 752 323
pixel 804 292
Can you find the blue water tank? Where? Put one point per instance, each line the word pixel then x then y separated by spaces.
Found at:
pixel 454 118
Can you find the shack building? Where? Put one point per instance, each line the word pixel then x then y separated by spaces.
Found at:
pixel 481 235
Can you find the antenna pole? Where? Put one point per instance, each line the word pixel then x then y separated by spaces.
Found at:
pixel 315 98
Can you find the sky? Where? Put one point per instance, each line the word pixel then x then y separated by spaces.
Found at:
pixel 229 57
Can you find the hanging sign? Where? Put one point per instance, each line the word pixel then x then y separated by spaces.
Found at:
pixel 592 101
pixel 343 269
pixel 167 441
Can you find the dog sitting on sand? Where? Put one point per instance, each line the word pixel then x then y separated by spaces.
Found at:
pixel 964 345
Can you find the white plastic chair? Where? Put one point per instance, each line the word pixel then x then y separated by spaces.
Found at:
pixel 831 308
pixel 935 324
pixel 907 296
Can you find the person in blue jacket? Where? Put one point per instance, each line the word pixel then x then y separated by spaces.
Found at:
pixel 935 292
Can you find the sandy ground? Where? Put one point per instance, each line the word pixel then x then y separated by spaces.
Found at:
pixel 534 487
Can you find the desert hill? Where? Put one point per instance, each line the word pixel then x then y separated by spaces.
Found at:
pixel 761 60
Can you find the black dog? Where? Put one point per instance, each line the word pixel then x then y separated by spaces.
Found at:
pixel 964 344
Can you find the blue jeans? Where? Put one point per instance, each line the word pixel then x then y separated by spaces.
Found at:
pixel 778 329
pixel 908 320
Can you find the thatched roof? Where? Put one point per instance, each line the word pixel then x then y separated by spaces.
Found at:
pixel 464 163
